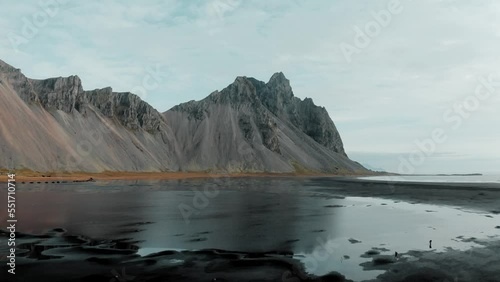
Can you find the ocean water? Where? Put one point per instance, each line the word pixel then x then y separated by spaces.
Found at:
pixel 486 178
pixel 325 231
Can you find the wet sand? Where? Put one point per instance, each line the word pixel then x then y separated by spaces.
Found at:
pixel 86 259
pixel 476 196
pixel 476 264
pixel 89 260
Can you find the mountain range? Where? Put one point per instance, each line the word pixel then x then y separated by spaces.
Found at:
pixel 250 126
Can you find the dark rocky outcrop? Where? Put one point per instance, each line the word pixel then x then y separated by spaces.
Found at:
pixel 128 108
pixel 54 124
pixel 255 126
pixel 66 94
pixel 277 96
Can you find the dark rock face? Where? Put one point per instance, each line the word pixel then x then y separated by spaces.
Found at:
pixel 54 125
pixel 66 94
pixel 273 130
pixel 57 93
pixel 277 96
pixel 20 84
pixel 248 126
pixel 128 108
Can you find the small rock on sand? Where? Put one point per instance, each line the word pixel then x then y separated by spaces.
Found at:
pixel 380 260
pixel 354 241
pixel 198 240
pixel 334 206
pixel 372 252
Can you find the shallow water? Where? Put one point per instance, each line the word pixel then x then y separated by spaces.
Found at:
pixel 487 178
pixel 251 215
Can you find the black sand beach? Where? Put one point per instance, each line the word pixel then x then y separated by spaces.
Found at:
pixel 60 254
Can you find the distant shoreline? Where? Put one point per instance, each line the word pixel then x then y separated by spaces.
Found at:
pixel 58 177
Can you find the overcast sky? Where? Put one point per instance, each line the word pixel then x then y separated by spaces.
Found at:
pixel 389 74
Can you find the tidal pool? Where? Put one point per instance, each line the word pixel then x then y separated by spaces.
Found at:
pixel 326 231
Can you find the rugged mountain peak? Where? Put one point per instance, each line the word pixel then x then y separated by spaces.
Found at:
pixel 255 126
pixel 274 98
pixel 66 94
pixel 248 126
pixel 242 86
pixel 128 108
pixel 5 68
pixel 241 80
pixel 277 95
pixel 61 93
pixel 278 88
pixel 278 78
pixel 57 84
pixel 19 82
pixel 241 91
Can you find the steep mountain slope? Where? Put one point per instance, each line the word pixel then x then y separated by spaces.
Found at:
pixel 257 126
pixel 53 125
pixel 277 96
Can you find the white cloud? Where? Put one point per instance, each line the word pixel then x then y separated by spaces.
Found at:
pixel 392 93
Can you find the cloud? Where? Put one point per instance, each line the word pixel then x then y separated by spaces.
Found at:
pixel 393 92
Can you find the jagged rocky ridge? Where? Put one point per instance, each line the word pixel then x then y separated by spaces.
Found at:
pixel 54 125
pixel 255 126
